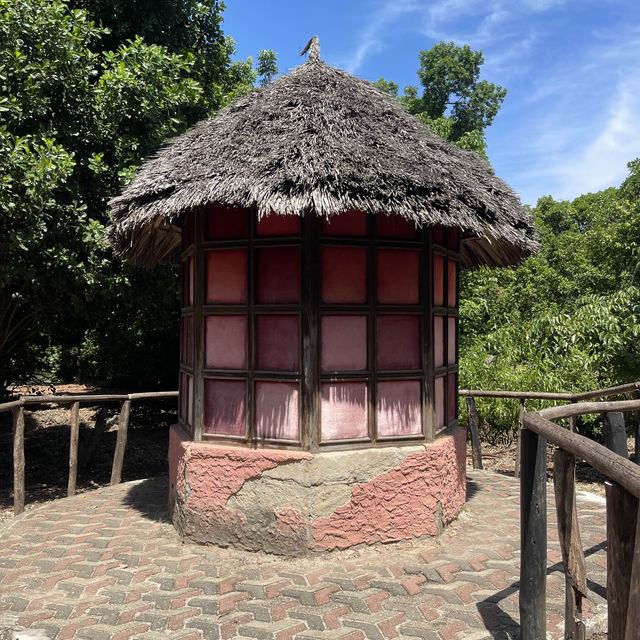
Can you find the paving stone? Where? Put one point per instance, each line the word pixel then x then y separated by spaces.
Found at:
pixel 333 634
pixel 317 594
pixel 268 610
pixel 326 616
pixel 280 630
pixel 62 578
pixel 216 605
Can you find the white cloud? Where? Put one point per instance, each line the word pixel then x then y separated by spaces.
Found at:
pixel 370 39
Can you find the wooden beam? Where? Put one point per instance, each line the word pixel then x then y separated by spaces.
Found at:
pixel 533 537
pixel 198 326
pixel 619 469
pixel 516 468
pixel 564 475
pixel 476 450
pixel 121 443
pixel 73 448
pixel 18 460
pixel 622 517
pixel 633 608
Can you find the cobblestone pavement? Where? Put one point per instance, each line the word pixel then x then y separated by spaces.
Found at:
pixel 108 564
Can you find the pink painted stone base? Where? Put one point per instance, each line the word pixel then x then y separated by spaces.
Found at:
pixel 293 502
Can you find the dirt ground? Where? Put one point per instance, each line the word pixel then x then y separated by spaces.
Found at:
pixel 47 442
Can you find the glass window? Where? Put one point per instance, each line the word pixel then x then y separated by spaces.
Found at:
pixel 226 276
pixel 349 223
pixel 344 275
pixel 226 342
pixel 277 342
pixel 278 275
pixel 344 411
pixel 225 407
pixel 277 410
pixel 226 223
pixel 275 225
pixel 343 342
pixel 398 276
pixel 399 408
pixel 398 342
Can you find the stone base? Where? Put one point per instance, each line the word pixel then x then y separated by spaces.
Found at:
pixel 293 502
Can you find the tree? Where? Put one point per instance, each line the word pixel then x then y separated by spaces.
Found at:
pixel 80 108
pixel 455 103
pixel 568 319
pixel 267 67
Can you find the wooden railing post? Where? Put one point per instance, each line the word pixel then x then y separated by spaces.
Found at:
pixel 636 448
pixel 633 610
pixel 516 468
pixel 121 443
pixel 622 516
pixel 564 475
pixel 533 537
pixel 73 448
pixel 615 433
pixel 476 451
pixel 18 460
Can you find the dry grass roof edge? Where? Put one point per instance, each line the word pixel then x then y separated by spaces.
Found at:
pixel 320 141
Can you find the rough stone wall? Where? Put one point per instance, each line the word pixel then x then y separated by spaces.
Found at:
pixel 290 502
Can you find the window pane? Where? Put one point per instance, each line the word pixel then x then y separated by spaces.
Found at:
pixel 348 223
pixel 277 342
pixel 344 275
pixel 226 342
pixel 398 276
pixel 399 408
pixel 451 340
pixel 190 400
pixel 398 342
pixel 438 280
pixel 439 393
pixel 452 238
pixel 278 272
pixel 224 223
pixel 225 407
pixel 343 343
pixel 275 225
pixel 344 411
pixel 277 410
pixel 183 396
pixel 227 276
pixel 395 226
pixel 438 341
pixel 451 291
pixel 452 396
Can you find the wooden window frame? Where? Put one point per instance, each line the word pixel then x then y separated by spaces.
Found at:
pixel 309 310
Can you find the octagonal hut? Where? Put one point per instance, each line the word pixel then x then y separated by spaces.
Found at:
pixel 321 230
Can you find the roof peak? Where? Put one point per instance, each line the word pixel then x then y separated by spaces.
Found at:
pixel 313 47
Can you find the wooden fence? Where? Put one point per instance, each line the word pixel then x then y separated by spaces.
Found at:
pixel 623 520
pixel 18 409
pixel 522 397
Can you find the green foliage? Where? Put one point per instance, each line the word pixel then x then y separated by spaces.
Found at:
pixel 455 103
pixel 89 88
pixel 568 319
pixel 387 86
pixel 267 67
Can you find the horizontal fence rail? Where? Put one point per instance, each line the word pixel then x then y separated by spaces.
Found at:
pixel 17 407
pixel 632 388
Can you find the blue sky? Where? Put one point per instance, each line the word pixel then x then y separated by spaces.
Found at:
pixel 571 118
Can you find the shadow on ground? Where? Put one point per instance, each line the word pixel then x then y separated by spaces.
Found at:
pixel 149 498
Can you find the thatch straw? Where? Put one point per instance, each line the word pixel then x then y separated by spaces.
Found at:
pixel 320 141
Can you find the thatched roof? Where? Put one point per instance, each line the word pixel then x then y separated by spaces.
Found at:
pixel 319 140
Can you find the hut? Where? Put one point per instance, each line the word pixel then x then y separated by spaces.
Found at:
pixel 321 230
